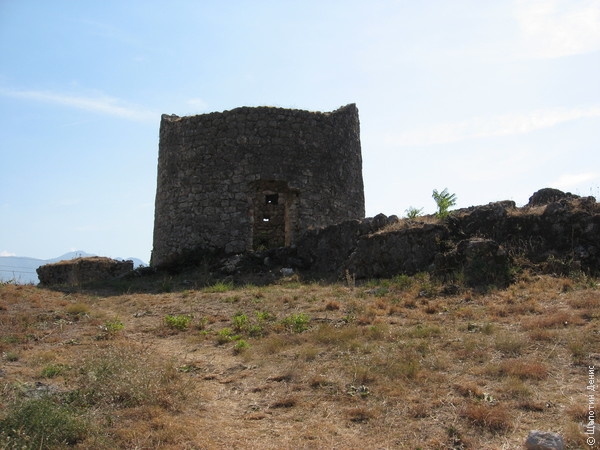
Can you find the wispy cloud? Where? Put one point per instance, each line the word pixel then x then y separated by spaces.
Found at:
pixel 98 104
pixel 504 125
pixel 556 28
pixel 571 180
pixel 6 253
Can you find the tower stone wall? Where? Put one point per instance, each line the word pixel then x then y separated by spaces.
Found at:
pixel 254 178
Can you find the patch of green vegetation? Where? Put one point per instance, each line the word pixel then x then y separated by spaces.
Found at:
pixel 413 213
pixel 226 335
pixel 402 282
pixel 179 322
pixel 444 201
pixel 219 287
pixel 296 322
pixel 111 328
pixel 241 322
pixel 41 424
pixel 240 346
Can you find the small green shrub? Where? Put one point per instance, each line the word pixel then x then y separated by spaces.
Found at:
pixel 226 335
pixel 413 213
pixel 403 282
pixel 264 316
pixel 240 346
pixel 180 322
pixel 240 322
pixel 296 322
pixel 41 424
pixel 112 327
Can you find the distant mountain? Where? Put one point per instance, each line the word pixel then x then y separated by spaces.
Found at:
pixel 21 269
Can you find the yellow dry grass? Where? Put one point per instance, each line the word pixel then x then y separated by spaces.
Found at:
pixel 322 365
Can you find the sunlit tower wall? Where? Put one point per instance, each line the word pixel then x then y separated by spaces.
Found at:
pixel 253 179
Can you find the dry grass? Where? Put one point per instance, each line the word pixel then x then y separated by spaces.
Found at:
pixel 496 419
pixel 387 364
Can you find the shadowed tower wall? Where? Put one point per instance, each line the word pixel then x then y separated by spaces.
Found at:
pixel 254 178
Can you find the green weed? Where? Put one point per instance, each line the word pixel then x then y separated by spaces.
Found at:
pixel 111 328
pixel 240 347
pixel 240 322
pixel 179 322
pixel 296 322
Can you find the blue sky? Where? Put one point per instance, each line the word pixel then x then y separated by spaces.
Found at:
pixel 490 99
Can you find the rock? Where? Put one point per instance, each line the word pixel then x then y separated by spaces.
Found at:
pixel 406 251
pixel 482 262
pixel 230 264
pixel 487 220
pixel 549 195
pixel 544 440
pixel 479 242
pixel 82 270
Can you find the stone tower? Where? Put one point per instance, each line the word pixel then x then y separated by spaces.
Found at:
pixel 254 178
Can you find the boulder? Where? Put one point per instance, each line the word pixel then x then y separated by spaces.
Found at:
pixel 544 440
pixel 82 270
pixel 486 220
pixel 548 195
pixel 481 262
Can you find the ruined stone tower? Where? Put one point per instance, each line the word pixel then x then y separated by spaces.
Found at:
pixel 254 178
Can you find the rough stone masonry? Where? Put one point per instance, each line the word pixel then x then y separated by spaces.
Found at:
pixel 254 178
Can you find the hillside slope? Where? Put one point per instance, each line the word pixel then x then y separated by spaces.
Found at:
pixel 395 363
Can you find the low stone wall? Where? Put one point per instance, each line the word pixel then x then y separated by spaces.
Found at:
pixel 555 232
pixel 82 270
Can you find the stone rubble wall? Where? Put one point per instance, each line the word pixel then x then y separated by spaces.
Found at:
pixel 78 271
pixel 211 166
pixel 556 233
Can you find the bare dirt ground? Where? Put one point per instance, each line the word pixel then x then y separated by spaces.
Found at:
pixel 389 364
